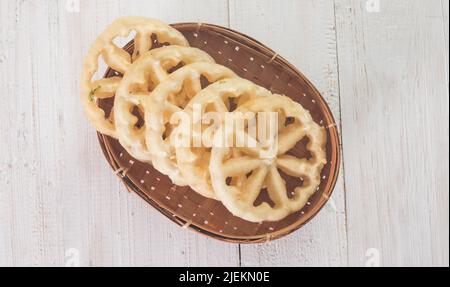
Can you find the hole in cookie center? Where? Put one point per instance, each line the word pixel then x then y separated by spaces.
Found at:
pixel 233 104
pixel 264 197
pixel 138 113
pixel 289 121
pixel 204 82
pixel 167 131
pixel 291 183
pixel 300 150
pixel 156 43
pixel 106 105
pixel 175 68
pixel 123 41
pixel 102 66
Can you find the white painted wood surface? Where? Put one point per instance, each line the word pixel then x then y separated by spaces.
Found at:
pixel 394 92
pixel 384 74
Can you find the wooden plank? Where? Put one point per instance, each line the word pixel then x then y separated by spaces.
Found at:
pixel 304 33
pixel 30 227
pixel 394 91
pixel 145 237
pixel 445 27
pixel 59 196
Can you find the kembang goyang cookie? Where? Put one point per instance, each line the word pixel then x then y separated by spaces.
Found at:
pixel 199 123
pixel 168 98
pixel 119 60
pixel 207 110
pixel 142 77
pixel 239 175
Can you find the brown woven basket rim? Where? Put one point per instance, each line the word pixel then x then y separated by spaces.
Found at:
pixel 334 173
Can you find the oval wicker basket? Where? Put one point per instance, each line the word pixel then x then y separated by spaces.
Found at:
pixel 253 61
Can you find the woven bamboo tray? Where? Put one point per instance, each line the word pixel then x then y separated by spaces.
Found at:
pixel 253 61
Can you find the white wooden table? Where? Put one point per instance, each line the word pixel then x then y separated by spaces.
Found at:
pixel 381 65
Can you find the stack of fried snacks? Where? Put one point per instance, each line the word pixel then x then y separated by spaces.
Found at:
pixel 176 109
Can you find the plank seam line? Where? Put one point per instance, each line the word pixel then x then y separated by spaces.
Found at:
pixel 340 127
pixel 445 43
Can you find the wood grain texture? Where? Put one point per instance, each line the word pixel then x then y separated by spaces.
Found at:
pixel 445 28
pixel 394 93
pixel 384 74
pixel 57 191
pixel 293 30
